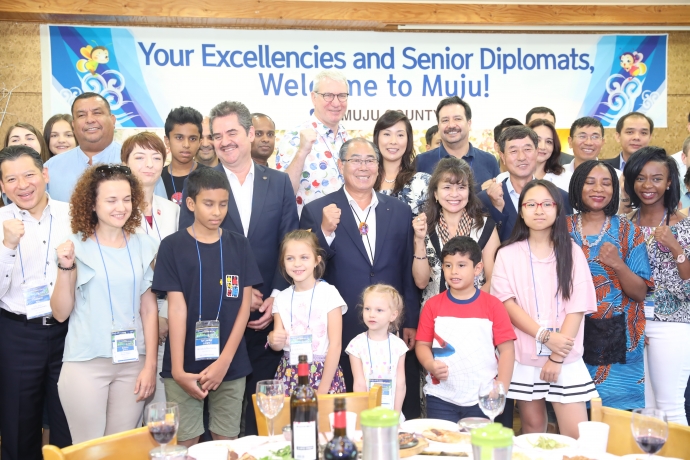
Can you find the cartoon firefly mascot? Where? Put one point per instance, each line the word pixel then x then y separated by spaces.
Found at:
pixel 632 63
pixel 94 56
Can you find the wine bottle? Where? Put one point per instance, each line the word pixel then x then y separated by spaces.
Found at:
pixel 304 415
pixel 340 446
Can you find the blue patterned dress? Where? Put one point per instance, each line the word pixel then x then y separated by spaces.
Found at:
pixel 414 193
pixel 617 370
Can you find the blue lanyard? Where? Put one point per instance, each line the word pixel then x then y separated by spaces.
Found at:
pixel 390 358
pixel 107 280
pixel 45 267
pixel 172 178
pixel 536 300
pixel 310 302
pixel 146 225
pixel 220 243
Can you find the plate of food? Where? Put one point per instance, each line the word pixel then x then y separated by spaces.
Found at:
pixel 545 442
pixel 281 450
pixel 442 435
pixel 419 425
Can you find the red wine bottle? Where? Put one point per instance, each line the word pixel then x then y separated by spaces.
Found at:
pixel 304 416
pixel 340 446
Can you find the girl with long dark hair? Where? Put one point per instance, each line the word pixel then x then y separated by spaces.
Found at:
pixel 617 257
pixel 652 182
pixel 543 279
pixel 397 172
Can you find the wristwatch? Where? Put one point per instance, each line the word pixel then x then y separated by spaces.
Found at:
pixel 681 258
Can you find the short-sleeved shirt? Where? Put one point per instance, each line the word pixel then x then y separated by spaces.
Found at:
pixel 320 175
pixel 177 270
pixel 483 164
pixel 175 184
pixel 378 360
pixel 464 335
pixel 512 278
pixel 299 313
pixel 102 281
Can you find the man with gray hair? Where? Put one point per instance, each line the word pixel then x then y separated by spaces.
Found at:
pixel 368 239
pixel 262 208
pixel 309 152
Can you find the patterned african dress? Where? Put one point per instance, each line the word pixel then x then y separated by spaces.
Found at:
pixel 614 335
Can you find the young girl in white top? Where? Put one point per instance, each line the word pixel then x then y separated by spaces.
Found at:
pixel 377 356
pixel 307 317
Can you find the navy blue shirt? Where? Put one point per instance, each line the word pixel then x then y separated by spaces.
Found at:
pixel 177 270
pixel 484 165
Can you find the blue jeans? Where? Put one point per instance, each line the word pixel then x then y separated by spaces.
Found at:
pixel 440 409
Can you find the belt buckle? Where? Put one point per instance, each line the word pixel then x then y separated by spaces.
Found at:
pixel 45 320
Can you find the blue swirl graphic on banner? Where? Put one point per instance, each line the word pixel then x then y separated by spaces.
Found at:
pixel 101 60
pixel 630 76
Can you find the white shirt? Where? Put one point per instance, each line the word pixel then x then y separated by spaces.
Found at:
pixel 682 169
pixel 165 219
pixel 368 215
pixel 514 196
pixel 40 239
pixel 244 195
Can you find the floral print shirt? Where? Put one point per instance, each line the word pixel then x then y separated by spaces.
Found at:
pixel 414 193
pixel 320 175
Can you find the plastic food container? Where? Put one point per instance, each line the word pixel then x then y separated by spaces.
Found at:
pixel 379 434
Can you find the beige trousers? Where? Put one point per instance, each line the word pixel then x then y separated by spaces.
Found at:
pixel 98 397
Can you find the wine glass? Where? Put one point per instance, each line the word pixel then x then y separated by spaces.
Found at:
pixel 163 419
pixel 492 398
pixel 270 397
pixel 650 429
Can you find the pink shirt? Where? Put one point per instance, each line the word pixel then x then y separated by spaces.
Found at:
pixel 512 278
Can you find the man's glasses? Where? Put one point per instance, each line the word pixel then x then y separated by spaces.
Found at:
pixel 594 137
pixel 361 162
pixel 546 205
pixel 328 97
pixel 110 170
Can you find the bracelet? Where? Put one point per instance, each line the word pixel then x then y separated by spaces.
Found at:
pixel 419 258
pixel 554 361
pixel 67 269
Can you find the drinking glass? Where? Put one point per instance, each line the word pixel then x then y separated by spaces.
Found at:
pixel 163 419
pixel 650 429
pixel 492 398
pixel 270 397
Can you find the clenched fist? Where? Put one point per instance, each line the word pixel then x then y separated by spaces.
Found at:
pixel 608 255
pixel 495 192
pixel 330 220
pixel 13 230
pixel 307 138
pixel 419 226
pixel 65 253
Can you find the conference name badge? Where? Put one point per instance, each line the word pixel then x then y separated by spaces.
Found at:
pixel 124 344
pixel 207 340
pixel 649 306
pixel 232 286
pixel 37 301
pixel 542 349
pixel 386 384
pixel 300 345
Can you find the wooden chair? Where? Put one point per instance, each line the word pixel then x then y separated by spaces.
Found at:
pixel 355 402
pixel 621 441
pixel 131 445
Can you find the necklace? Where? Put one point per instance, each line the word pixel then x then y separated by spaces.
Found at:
pixel 601 232
pixel 389 181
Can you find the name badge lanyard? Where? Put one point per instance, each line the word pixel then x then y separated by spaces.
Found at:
pixel 649 302
pixel 124 346
pixel 153 218
pixel 334 150
pixel 300 344
pixel 172 178
pixel 37 298
pixel 385 381
pixel 207 333
pixel 541 351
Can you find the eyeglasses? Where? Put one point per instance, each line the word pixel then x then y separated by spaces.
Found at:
pixel 360 162
pixel 594 137
pixel 328 97
pixel 546 205
pixel 110 170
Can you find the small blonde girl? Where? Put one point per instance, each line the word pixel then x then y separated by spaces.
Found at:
pixel 307 317
pixel 377 356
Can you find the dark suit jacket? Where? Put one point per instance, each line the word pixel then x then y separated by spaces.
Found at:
pixel 505 221
pixel 347 264
pixel 615 161
pixel 565 158
pixel 274 213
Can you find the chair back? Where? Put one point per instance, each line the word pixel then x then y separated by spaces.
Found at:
pixel 131 445
pixel 622 442
pixel 355 402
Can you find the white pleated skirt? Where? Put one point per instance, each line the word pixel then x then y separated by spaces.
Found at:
pixel 574 384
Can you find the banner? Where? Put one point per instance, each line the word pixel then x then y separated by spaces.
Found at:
pixel 146 72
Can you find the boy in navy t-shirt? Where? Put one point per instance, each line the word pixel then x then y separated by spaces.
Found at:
pixel 458 333
pixel 208 274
